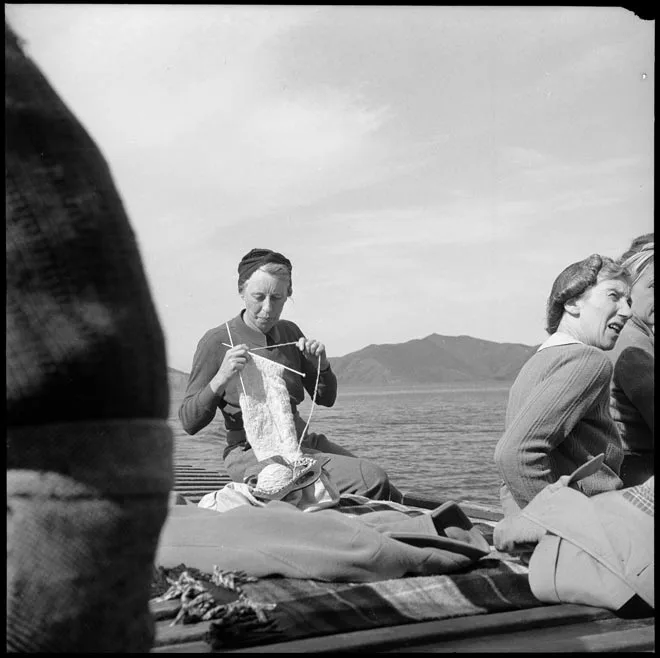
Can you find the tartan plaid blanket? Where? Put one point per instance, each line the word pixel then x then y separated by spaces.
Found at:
pixel 297 608
pixel 307 608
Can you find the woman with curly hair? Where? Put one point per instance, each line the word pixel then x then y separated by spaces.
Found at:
pixel 633 356
pixel 558 414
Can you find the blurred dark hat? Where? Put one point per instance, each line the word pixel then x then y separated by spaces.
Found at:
pixel 255 258
pixel 83 337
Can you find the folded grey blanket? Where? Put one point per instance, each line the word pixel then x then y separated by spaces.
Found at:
pixel 280 539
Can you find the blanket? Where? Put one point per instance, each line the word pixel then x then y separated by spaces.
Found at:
pixel 307 608
pixel 295 608
pixel 301 608
pixel 280 539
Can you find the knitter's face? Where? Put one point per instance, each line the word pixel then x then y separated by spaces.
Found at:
pixel 264 296
pixel 604 309
pixel 643 302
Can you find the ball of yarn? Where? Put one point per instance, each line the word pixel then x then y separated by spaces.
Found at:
pixel 273 477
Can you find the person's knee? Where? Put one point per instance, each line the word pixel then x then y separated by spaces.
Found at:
pixel 237 461
pixel 321 443
pixel 377 482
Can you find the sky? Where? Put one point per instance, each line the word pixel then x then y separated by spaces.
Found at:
pixel 426 169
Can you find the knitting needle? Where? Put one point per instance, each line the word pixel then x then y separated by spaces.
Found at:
pixel 267 347
pixel 302 374
pixel 231 340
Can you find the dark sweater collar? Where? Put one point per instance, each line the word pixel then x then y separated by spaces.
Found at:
pixel 242 333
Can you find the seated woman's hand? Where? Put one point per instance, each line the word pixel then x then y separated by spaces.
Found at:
pixel 516 532
pixel 233 362
pixel 312 348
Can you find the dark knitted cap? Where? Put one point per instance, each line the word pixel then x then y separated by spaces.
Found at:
pixel 83 337
pixel 255 258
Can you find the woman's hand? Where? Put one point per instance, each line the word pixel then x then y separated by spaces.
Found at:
pixel 313 348
pixel 517 532
pixel 233 362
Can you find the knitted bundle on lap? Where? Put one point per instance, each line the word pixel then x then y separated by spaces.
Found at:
pixel 83 337
pixel 266 407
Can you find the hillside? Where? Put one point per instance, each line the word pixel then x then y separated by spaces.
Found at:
pixel 178 381
pixel 435 359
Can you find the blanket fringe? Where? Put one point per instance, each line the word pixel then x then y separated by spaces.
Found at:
pixel 216 597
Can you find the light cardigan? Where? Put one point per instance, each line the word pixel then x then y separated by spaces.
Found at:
pixel 597 551
pixel 633 386
pixel 557 419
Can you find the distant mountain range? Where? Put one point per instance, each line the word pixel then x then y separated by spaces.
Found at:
pixel 178 381
pixel 435 359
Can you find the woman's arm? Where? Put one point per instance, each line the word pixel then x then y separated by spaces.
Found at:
pixel 313 350
pixel 326 393
pixel 547 417
pixel 200 404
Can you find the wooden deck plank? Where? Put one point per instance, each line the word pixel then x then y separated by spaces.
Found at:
pixel 192 488
pixel 407 635
pixel 605 635
pixel 189 647
pixel 199 486
pixel 566 634
pixel 379 639
pixel 187 475
pixel 199 483
pixel 187 482
pixel 200 469
pixel 190 482
pixel 200 474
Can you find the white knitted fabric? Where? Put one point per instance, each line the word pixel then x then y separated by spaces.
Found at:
pixel 267 415
pixel 274 477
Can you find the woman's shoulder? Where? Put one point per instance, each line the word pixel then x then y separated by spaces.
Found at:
pixel 589 352
pixel 578 355
pixel 289 329
pixel 594 362
pixel 215 336
pixel 571 350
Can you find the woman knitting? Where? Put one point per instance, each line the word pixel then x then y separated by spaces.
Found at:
pixel 264 284
pixel 558 414
pixel 632 388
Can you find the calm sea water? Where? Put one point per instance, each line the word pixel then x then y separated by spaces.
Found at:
pixel 437 441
